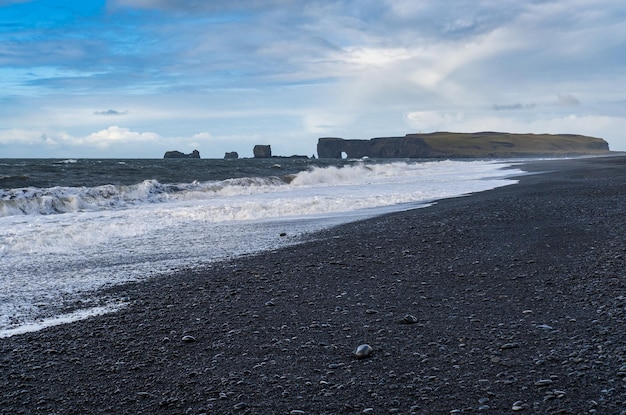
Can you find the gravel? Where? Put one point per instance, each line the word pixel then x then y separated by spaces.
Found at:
pixel 510 300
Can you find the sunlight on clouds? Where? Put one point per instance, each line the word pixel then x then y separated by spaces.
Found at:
pixel 115 134
pixel 377 57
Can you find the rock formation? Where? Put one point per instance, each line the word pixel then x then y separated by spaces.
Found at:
pixel 178 155
pixel 262 151
pixel 463 145
pixel 231 155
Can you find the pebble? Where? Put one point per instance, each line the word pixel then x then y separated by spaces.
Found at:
pixel 506 346
pixel 545 327
pixel 543 382
pixel 240 405
pixel 188 339
pixel 408 319
pixel 296 412
pixel 363 351
pixel 518 406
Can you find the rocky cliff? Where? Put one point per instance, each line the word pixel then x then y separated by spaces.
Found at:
pixel 262 151
pixel 463 145
pixel 178 155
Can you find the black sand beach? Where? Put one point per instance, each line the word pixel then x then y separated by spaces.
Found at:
pixel 510 300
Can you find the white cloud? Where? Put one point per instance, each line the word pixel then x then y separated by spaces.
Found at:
pixel 33 137
pixel 118 135
pixel 202 136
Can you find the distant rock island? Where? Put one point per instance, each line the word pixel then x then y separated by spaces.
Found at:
pixel 463 145
pixel 178 155
pixel 262 151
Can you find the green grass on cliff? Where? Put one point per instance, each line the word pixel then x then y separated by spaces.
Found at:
pixel 507 144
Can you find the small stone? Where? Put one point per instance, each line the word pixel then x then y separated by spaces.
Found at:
pixel 368 410
pixel 506 346
pixel 370 311
pixel 188 339
pixel 408 319
pixel 239 406
pixel 545 327
pixel 363 351
pixel 518 406
pixel 483 408
pixel 543 382
pixel 296 412
pixel 270 303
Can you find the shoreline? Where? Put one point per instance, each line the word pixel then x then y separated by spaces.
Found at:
pixel 512 297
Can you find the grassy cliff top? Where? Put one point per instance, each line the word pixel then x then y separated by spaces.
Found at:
pixel 486 143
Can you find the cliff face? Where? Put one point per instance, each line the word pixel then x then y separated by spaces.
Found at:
pixel 262 151
pixel 179 155
pixel 463 145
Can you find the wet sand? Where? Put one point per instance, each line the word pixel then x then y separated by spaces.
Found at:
pixel 509 300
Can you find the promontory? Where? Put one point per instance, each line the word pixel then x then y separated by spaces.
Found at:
pixel 463 145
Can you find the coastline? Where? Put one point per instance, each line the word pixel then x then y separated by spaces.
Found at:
pixel 517 296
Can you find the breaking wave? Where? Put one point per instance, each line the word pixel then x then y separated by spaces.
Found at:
pixel 57 200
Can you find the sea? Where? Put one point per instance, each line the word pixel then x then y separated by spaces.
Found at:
pixel 70 228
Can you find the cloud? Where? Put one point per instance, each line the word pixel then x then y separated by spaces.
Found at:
pixel 195 5
pixel 288 71
pixel 20 136
pixel 111 112
pixel 512 107
pixel 567 101
pixel 433 120
pixel 118 135
pixel 202 136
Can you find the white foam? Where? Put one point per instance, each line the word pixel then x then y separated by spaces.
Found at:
pixel 60 319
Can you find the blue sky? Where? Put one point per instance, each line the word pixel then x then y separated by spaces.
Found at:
pixel 135 78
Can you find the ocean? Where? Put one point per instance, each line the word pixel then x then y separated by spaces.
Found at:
pixel 71 227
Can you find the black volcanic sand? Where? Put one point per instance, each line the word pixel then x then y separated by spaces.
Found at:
pixel 516 299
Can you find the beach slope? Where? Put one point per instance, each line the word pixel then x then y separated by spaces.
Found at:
pixel 513 299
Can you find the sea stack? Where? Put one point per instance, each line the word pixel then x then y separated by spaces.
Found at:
pixel 179 155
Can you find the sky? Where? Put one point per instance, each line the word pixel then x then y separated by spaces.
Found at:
pixel 136 78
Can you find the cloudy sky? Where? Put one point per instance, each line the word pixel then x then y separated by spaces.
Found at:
pixel 134 78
